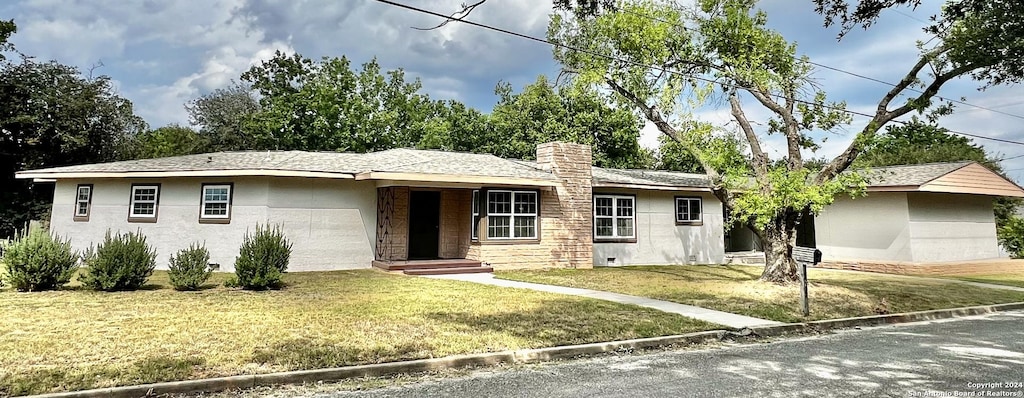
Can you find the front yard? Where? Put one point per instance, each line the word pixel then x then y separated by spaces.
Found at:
pixel 736 289
pixel 1009 278
pixel 75 339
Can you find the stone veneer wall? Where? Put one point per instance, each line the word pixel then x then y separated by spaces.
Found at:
pixel 566 219
pixel 392 223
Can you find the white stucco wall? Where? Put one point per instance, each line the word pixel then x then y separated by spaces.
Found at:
pixel 660 240
pixel 952 227
pixel 875 227
pixel 331 223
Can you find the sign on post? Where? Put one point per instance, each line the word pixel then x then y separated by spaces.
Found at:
pixel 804 257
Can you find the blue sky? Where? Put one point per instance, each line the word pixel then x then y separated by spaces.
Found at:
pixel 164 53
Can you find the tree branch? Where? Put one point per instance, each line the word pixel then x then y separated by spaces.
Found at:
pixel 792 126
pixel 652 114
pixel 759 157
pixel 463 13
pixel 883 115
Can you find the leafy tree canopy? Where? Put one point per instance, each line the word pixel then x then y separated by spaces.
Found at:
pixel 326 105
pixel 54 116
pixel 170 140
pixel 543 113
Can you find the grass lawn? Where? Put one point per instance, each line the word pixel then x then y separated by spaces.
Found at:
pixel 76 339
pixel 1007 278
pixel 736 289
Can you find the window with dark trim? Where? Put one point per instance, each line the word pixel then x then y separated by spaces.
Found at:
pixel 144 204
pixel 614 217
pixel 83 202
pixel 688 210
pixel 215 203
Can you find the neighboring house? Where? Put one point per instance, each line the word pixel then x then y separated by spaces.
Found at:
pixel 917 213
pixel 344 210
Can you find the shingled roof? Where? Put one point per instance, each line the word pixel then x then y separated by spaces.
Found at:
pixel 650 178
pixel 442 166
pixel 905 175
pixel 321 164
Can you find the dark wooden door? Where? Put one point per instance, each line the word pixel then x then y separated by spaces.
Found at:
pixel 424 224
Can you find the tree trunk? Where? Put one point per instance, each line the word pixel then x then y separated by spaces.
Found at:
pixel 778 239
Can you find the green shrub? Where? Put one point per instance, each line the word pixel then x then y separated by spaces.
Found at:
pixel 263 258
pixel 38 261
pixel 190 268
pixel 1011 236
pixel 121 262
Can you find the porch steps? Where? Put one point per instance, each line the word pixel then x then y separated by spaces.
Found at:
pixel 433 267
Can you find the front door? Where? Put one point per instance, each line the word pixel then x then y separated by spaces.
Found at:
pixel 424 224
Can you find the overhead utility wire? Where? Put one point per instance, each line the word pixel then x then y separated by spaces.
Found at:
pixel 854 74
pixel 596 54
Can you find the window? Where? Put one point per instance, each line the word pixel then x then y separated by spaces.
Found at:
pixel 144 201
pixel 476 213
pixel 215 204
pixel 510 214
pixel 688 210
pixel 83 202
pixel 614 217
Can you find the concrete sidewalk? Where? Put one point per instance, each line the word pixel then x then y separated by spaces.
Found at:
pixel 704 314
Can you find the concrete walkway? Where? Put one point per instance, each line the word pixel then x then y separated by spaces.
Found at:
pixel 704 314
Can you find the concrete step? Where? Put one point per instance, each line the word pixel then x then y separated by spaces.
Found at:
pixel 448 270
pixel 425 264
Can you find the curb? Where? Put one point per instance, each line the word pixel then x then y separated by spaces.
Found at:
pixel 906 317
pixel 519 356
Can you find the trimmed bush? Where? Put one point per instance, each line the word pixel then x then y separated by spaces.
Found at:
pixel 121 262
pixel 190 268
pixel 1011 236
pixel 38 261
pixel 263 258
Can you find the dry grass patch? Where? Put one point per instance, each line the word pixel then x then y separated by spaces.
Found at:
pixel 76 339
pixel 736 289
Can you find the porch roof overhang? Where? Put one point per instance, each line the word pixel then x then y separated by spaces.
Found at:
pixel 400 178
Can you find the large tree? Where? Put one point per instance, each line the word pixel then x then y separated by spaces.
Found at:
pixel 327 105
pixel 667 61
pixel 542 112
pixel 54 116
pixel 221 117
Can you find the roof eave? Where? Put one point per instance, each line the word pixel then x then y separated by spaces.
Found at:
pixel 453 178
pixel 597 184
pixel 57 175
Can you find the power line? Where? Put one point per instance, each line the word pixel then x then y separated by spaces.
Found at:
pixel 857 75
pixel 634 63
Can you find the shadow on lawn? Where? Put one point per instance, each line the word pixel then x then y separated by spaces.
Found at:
pixel 690 273
pixel 150 370
pixel 304 353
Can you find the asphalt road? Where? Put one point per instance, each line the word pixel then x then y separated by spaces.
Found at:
pixel 933 359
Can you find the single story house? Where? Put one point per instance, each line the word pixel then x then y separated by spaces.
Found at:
pixel 395 207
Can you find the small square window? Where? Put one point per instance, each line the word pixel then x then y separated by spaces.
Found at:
pixel 215 205
pixel 145 200
pixel 688 210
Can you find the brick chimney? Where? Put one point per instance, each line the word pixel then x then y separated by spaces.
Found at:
pixel 570 206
